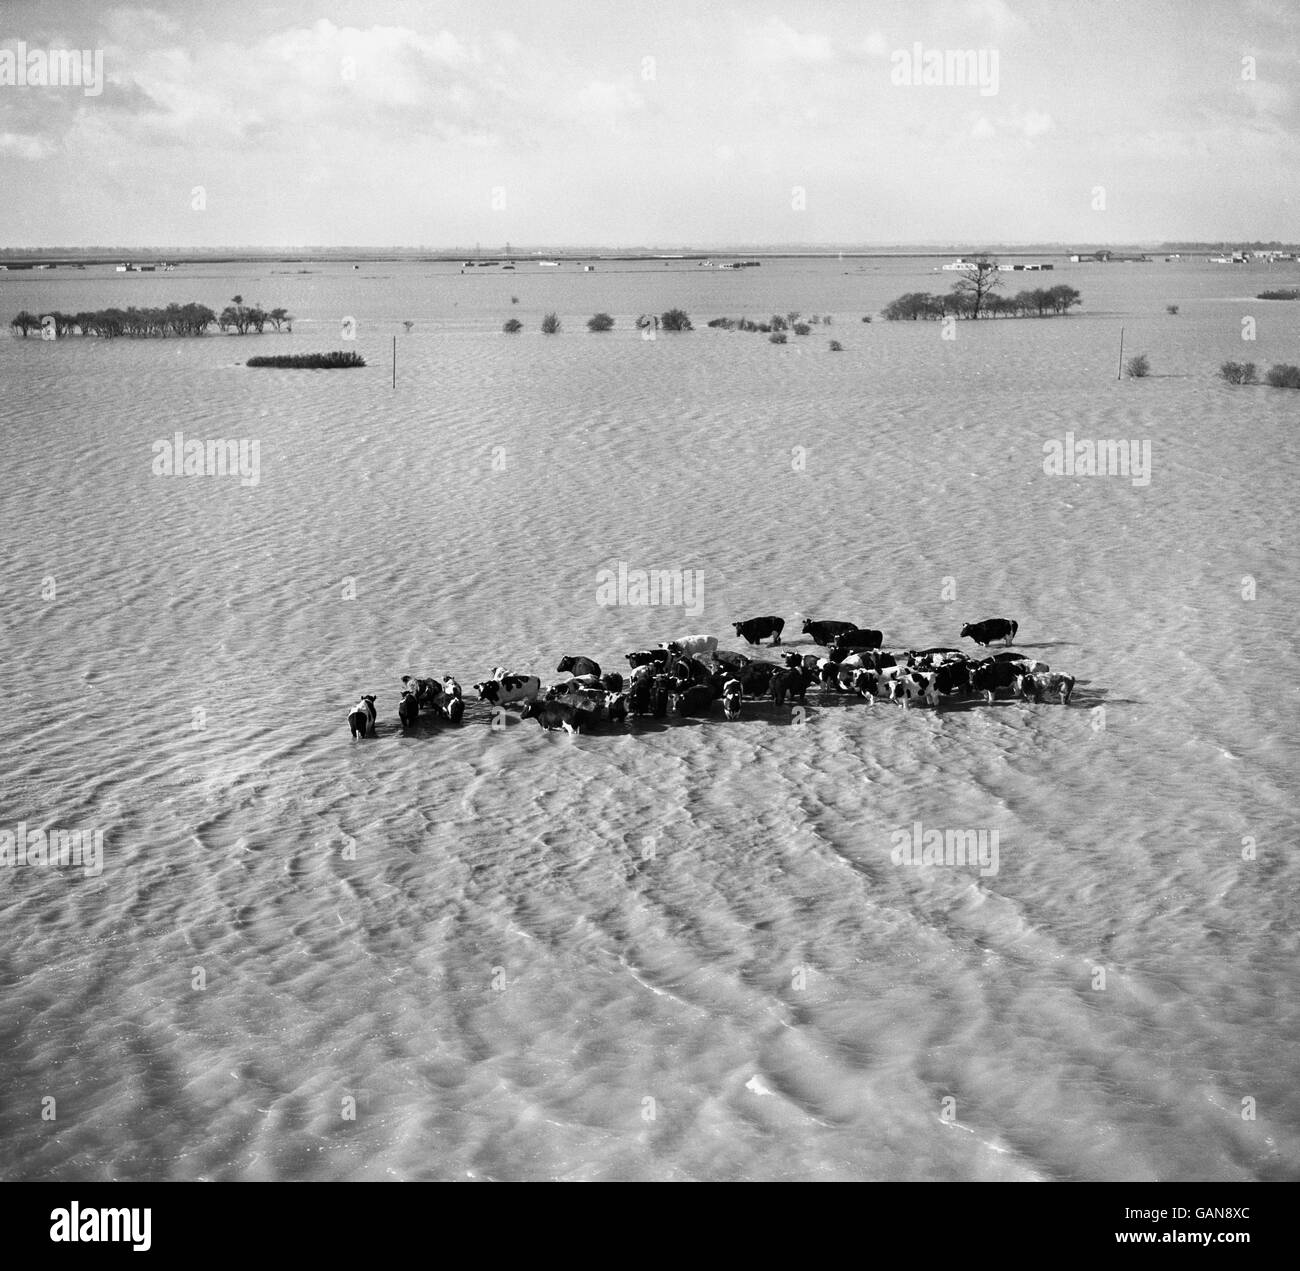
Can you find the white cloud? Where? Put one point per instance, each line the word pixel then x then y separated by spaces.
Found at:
pixel 775 41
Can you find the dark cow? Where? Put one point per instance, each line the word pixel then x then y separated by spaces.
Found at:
pixel 991 629
pixel 612 681
pixel 453 708
pixel 952 677
pixel 732 692
pixel 557 715
pixel 688 671
pixel 579 666
pixel 638 698
pixel 789 680
pixel 659 696
pixel 824 633
pixel 734 662
pixel 989 676
pixel 756 678
pixel 426 692
pixel 510 688
pixel 1030 664
pixel 755 629
pixel 696 700
pixel 804 661
pixel 361 718
pixel 408 711
pixel 858 638
pixel 649 657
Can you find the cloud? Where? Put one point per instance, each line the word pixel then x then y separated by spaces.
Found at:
pixel 24 146
pixel 775 41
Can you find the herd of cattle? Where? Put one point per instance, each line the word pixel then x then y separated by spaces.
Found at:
pixel 685 677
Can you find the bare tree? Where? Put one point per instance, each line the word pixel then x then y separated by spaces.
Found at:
pixel 976 283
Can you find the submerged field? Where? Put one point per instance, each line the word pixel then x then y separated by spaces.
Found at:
pixel 681 949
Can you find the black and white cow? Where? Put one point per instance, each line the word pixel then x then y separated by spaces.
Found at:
pixel 361 718
pixel 649 657
pixel 732 692
pixel 579 666
pixel 1035 685
pixel 824 633
pixel 453 708
pixel 803 661
pixel 991 629
pixel 755 629
pixel 509 688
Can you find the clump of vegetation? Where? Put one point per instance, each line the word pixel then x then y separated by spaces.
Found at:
pixel 836 347
pixel 408 324
pixel 1283 376
pixel 1171 308
pixel 793 316
pixel 310 361
pixel 866 317
pixel 176 320
pixel 550 324
pixel 1138 367
pixel 600 322
pixel 675 320
pixel 922 305
pixel 1238 372
pixel 778 323
pixel 801 328
pixel 725 323
pixel 512 326
pixel 747 324
pixel 778 337
pixel 1292 293
pixel 514 300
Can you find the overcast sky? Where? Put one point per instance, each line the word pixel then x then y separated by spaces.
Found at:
pixel 626 122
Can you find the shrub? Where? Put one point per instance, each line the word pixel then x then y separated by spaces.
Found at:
pixel 801 328
pixel 813 319
pixel 309 361
pixel 600 322
pixel 777 337
pixel 676 320
pixel 1238 372
pixel 793 316
pixel 778 323
pixel 836 347
pixel 764 327
pixel 1138 367
pixel 725 323
pixel 826 319
pixel 512 326
pixel 550 324
pixel 866 317
pixel 514 300
pixel 1283 376
pixel 1284 294
pixel 1171 308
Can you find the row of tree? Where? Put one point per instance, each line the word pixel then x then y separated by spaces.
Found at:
pixel 961 303
pixel 174 320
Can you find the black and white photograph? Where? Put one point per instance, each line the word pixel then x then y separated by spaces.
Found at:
pixel 677 592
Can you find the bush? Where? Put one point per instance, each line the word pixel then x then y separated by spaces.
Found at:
pixel 725 323
pixel 1283 376
pixel 777 337
pixel 801 328
pixel 514 300
pixel 1292 294
pixel 309 361
pixel 866 317
pixel 1138 367
pixel 778 323
pixel 550 324
pixel 813 319
pixel 836 347
pixel 1238 372
pixel 764 327
pixel 512 326
pixel 601 322
pixel 1171 308
pixel 675 320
